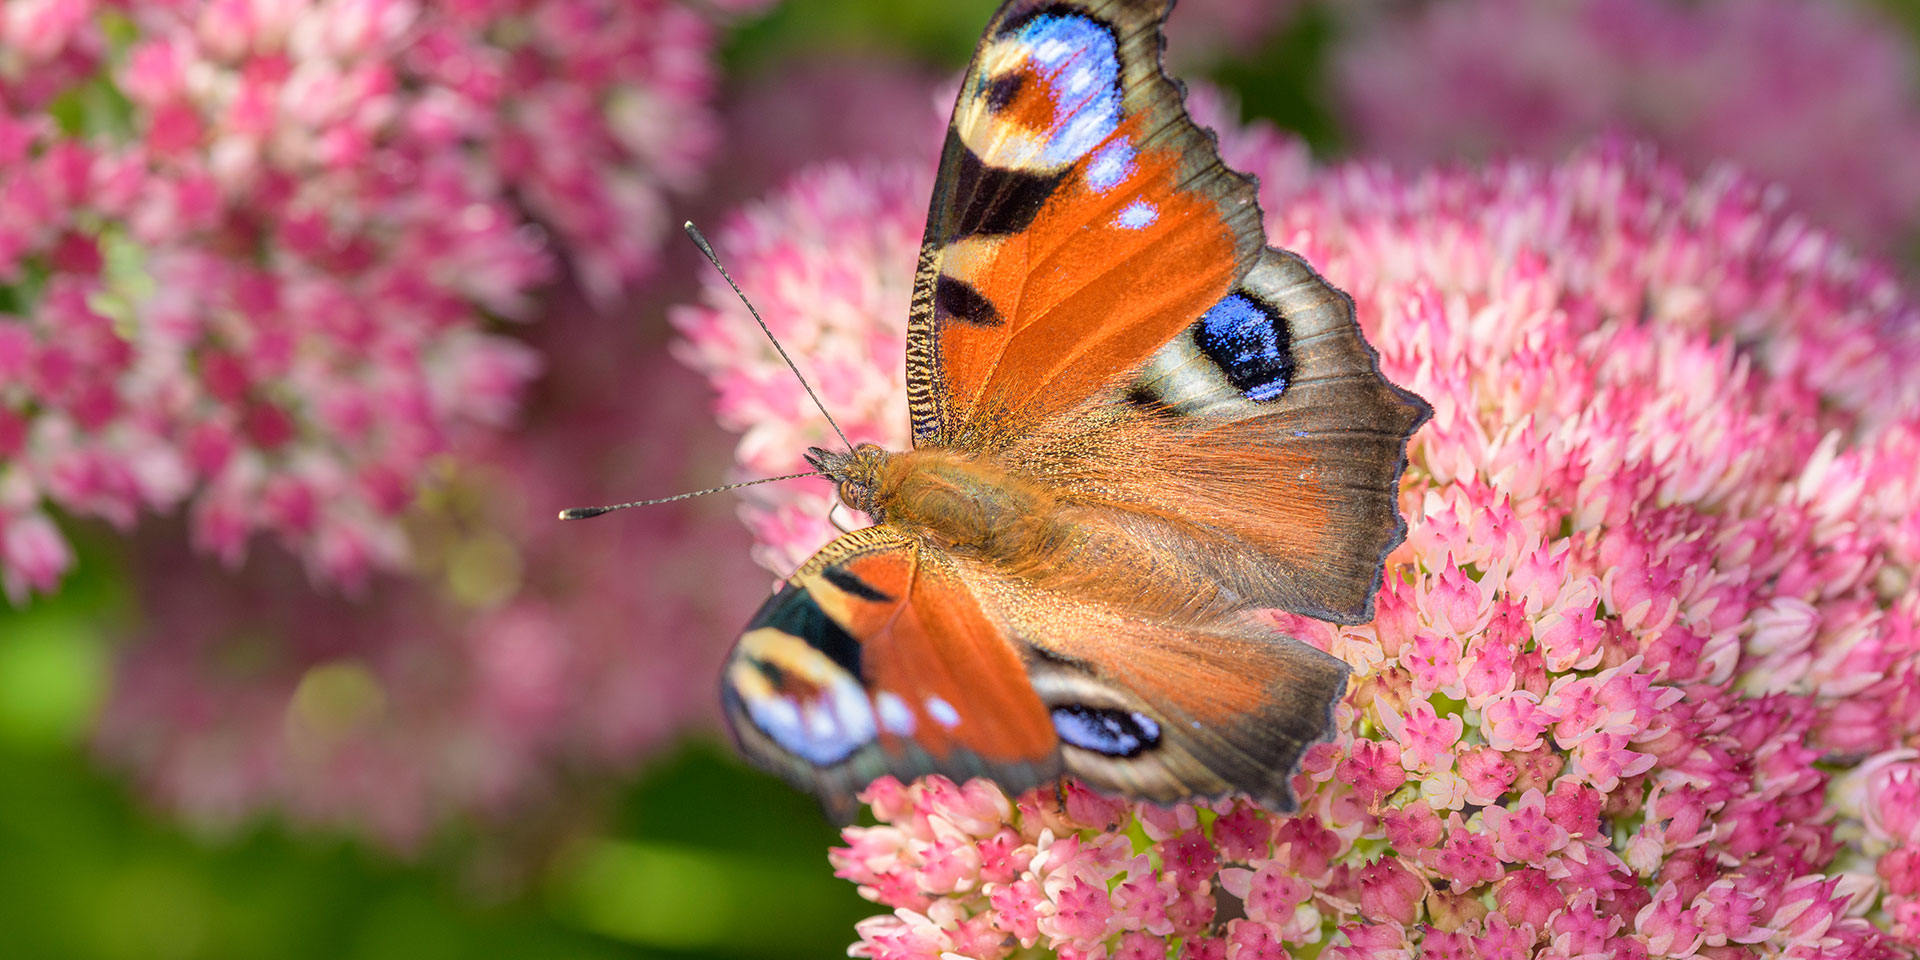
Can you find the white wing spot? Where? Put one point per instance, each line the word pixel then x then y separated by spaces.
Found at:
pixel 895 716
pixel 1111 165
pixel 943 712
pixel 1137 215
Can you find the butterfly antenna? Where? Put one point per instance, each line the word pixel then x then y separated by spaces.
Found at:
pixel 700 241
pixel 581 513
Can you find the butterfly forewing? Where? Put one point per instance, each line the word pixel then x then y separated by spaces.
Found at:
pixel 1080 221
pixel 874 658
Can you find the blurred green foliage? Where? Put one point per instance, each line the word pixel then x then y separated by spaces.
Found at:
pixel 942 34
pixel 698 859
pixel 1905 11
pixel 706 861
pixel 1286 81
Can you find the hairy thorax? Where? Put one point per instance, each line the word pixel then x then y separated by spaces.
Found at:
pixel 966 503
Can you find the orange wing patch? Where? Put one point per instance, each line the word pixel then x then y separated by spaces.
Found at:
pixel 1260 455
pixel 940 673
pixel 1081 222
pixel 875 658
pixel 1098 281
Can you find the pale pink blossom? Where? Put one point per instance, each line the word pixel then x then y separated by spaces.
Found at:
pixel 271 287
pixel 821 304
pixel 1890 806
pixel 34 555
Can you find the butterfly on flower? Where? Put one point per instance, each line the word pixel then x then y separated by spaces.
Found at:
pixel 1135 426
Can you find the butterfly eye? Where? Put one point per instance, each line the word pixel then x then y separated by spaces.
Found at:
pixel 1103 730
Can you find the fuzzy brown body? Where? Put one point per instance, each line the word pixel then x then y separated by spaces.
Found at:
pixel 1065 524
pixel 967 504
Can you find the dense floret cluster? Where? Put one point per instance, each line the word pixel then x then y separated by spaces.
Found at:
pixel 1643 677
pixel 249 250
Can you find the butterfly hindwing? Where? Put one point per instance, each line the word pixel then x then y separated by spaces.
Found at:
pixel 1253 463
pixel 1080 220
pixel 1167 711
pixel 1277 381
pixel 886 656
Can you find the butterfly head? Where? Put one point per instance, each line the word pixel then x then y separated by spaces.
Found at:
pixel 857 472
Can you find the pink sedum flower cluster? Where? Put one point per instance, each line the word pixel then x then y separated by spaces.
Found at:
pixel 1644 677
pixel 248 249
pixel 527 665
pixel 1820 96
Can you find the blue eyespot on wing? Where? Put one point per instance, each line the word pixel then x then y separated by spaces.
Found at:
pixel 1106 731
pixel 1078 62
pixel 1247 339
pixel 1278 407
pixel 1079 221
pixel 875 658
